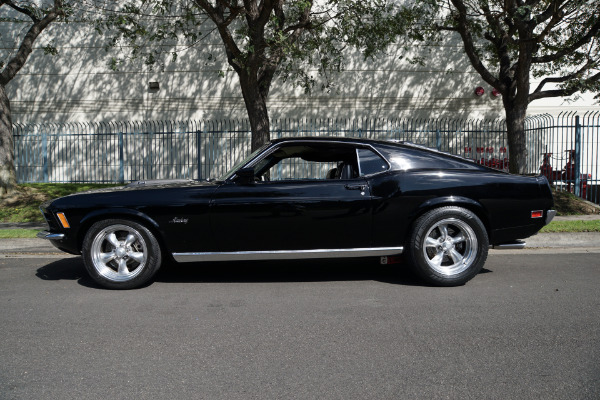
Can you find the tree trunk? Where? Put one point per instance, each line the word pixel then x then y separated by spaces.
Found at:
pixel 515 132
pixel 256 105
pixel 8 174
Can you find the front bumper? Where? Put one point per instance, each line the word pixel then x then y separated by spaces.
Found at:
pixel 50 236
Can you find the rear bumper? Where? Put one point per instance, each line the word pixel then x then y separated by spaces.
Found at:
pixel 550 214
pixel 511 236
pixel 516 245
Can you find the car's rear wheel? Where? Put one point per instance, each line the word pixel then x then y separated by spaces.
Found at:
pixel 448 246
pixel 121 254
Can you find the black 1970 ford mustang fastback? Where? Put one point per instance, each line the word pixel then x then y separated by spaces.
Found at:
pixel 307 198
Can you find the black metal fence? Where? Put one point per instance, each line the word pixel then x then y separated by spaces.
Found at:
pixel 128 151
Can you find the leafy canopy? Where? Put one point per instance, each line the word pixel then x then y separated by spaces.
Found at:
pixel 291 38
pixel 509 41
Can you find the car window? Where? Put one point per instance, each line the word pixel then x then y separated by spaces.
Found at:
pixel 312 161
pixel 243 162
pixel 406 158
pixel 370 162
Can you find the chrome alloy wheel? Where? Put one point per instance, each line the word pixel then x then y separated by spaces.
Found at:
pixel 450 246
pixel 119 253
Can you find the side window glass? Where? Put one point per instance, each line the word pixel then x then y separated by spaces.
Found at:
pixel 370 162
pixel 296 168
pixel 308 161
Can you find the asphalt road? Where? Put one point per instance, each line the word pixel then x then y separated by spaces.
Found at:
pixel 528 327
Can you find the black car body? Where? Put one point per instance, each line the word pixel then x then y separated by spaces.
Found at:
pixel 307 198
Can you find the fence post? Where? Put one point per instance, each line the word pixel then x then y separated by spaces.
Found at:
pixel 577 157
pixel 45 156
pixel 199 153
pixel 438 139
pixel 121 166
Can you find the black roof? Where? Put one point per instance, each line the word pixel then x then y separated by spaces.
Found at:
pixel 389 142
pixel 335 139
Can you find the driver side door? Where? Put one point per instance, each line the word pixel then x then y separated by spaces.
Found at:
pixel 305 197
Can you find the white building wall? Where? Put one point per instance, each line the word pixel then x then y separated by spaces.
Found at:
pixel 77 85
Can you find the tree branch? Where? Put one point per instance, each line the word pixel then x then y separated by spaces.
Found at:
pixel 231 48
pixel 22 10
pixel 560 79
pixel 446 28
pixel 562 92
pixel 550 12
pixel 465 34
pixel 26 47
pixel 593 32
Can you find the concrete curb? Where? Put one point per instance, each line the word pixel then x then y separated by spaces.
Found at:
pixel 564 240
pixel 29 246
pixel 23 225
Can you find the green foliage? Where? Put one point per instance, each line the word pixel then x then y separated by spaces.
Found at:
pixel 23 206
pixel 298 37
pixel 555 39
pixel 510 41
pixel 21 18
pixel 49 49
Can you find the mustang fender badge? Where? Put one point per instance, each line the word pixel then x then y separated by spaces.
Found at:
pixel 178 221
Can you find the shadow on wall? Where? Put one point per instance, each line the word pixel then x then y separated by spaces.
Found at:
pixel 78 85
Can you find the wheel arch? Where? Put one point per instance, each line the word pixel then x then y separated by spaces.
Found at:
pixel 457 201
pixel 119 213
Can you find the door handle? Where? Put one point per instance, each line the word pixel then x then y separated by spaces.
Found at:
pixel 356 187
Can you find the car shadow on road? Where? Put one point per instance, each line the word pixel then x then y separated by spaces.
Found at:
pixel 251 271
pixel 70 269
pixel 289 271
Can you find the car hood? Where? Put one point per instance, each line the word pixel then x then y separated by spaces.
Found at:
pixel 151 185
pixel 120 192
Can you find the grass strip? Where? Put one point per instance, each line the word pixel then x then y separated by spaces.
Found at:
pixel 572 226
pixel 553 227
pixel 24 206
pixel 18 233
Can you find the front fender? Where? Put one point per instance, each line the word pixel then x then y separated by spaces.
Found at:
pixel 113 212
pixel 116 212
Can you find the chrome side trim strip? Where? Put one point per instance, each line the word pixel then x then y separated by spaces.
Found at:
pixel 550 214
pixel 50 236
pixel 286 254
pixel 518 245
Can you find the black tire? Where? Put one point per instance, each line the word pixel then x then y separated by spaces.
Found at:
pixel 121 254
pixel 447 246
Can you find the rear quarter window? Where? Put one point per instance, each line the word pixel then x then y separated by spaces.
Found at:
pixel 405 158
pixel 370 162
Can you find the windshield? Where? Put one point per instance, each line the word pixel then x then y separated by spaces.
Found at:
pixel 243 162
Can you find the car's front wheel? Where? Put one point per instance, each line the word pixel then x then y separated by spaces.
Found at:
pixel 121 254
pixel 448 246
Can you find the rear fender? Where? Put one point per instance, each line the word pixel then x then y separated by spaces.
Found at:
pixel 457 201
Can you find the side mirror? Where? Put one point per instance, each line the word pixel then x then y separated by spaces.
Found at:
pixel 245 176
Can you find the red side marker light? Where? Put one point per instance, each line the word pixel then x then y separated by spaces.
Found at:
pixel 537 214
